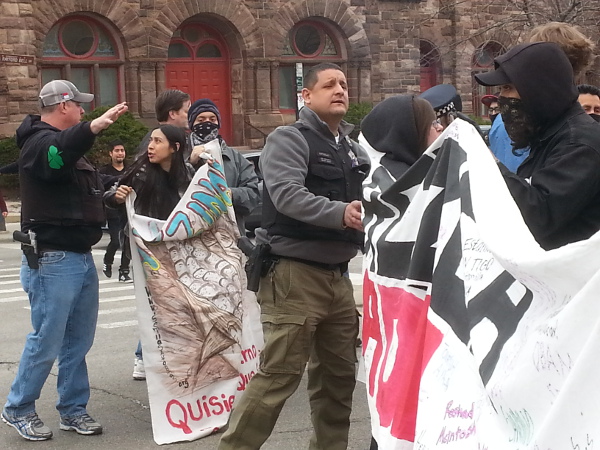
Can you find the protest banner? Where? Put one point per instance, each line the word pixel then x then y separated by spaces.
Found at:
pixel 474 336
pixel 199 326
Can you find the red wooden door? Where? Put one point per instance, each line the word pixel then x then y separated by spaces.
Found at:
pixel 203 79
pixel 428 78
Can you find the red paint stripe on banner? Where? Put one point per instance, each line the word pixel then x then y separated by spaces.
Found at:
pixel 411 342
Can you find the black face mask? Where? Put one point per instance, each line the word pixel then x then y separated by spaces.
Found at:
pixel 206 131
pixel 596 117
pixel 493 117
pixel 518 123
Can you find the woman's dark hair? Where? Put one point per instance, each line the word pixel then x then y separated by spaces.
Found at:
pixel 158 191
pixel 424 116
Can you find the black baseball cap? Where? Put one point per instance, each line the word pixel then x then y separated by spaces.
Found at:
pixel 496 77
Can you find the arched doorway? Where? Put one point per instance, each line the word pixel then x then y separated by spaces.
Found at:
pixel 199 65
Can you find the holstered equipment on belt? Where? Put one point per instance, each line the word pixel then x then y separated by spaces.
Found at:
pixel 29 246
pixel 259 263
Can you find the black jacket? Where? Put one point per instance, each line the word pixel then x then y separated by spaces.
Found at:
pixel 557 188
pixel 61 190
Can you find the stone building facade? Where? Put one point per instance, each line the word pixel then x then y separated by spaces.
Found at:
pixel 241 53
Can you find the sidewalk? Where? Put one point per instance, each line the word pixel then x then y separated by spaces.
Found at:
pixel 6 236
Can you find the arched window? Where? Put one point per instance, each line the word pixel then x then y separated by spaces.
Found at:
pixel 81 49
pixel 309 42
pixel 483 61
pixel 430 65
pixel 193 41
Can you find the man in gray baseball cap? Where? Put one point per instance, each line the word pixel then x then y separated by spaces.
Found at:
pixel 57 91
pixel 61 218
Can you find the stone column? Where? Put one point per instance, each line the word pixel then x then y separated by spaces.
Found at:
pixel 132 88
pixel 249 87
pixel 263 86
pixel 147 83
pixel 353 81
pixel 275 86
pixel 161 79
pixel 364 82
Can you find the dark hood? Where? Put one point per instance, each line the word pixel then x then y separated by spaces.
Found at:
pixel 391 128
pixel 543 76
pixel 31 125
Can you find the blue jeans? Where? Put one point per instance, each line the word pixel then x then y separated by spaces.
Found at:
pixel 63 294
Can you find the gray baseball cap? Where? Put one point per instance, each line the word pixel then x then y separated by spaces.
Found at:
pixel 57 91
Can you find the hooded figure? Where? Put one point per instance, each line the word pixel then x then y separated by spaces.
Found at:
pixel 399 127
pixel 557 188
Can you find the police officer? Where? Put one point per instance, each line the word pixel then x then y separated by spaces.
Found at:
pixel 312 220
pixel 447 105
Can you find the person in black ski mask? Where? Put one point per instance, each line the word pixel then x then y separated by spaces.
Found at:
pixel 589 99
pixel 204 121
pixel 557 187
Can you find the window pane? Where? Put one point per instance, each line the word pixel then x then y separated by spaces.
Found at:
pixel 51 46
pixel 307 40
pixel 50 73
pixel 288 49
pixel 80 77
pixel 192 34
pixel 287 87
pixel 329 49
pixel 178 50
pixel 208 51
pixel 105 47
pixel 109 82
pixel 77 37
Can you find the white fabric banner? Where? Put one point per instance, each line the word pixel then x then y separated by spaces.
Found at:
pixel 199 326
pixel 474 337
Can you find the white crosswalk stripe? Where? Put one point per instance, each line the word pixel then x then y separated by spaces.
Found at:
pixel 117 300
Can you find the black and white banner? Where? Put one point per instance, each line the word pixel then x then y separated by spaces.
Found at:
pixel 474 336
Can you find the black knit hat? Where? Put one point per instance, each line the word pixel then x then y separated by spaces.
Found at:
pixel 201 106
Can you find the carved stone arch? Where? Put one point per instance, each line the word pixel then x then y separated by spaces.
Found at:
pixel 337 11
pixel 118 16
pixel 234 21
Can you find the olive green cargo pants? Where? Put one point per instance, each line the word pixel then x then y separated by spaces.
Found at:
pixel 307 313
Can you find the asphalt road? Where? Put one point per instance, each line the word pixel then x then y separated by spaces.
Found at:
pixel 117 401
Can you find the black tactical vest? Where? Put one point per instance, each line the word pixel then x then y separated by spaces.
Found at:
pixel 332 173
pixel 78 202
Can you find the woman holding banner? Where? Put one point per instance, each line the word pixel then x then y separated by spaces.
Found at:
pixel 395 134
pixel 159 177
